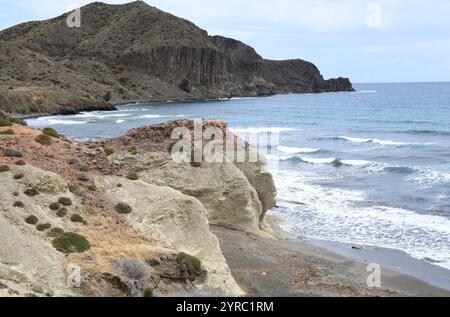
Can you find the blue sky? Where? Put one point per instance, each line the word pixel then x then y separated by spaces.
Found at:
pixel 368 41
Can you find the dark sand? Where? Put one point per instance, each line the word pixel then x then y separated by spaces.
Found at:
pixel 264 267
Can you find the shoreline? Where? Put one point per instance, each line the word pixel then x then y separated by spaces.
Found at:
pixel 294 268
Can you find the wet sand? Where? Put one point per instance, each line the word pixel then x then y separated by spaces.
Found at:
pixel 264 267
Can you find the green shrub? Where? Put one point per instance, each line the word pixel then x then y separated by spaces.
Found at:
pixel 7 132
pixel 107 96
pixel 77 218
pixel 18 204
pixel 43 139
pixel 147 292
pixel 5 122
pixel 84 178
pixel 19 176
pixel 31 220
pixel 65 201
pixel 133 150
pixel 62 212
pixel 20 163
pixel 70 242
pixel 31 192
pixel 73 188
pixel 192 264
pixel 92 188
pixel 43 226
pixel 133 176
pixel 13 152
pixel 55 232
pixel 108 150
pixel 50 132
pixel 119 185
pixel 4 168
pixel 55 206
pixel 16 194
pixel 123 208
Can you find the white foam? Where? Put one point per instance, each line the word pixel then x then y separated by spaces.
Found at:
pixel 47 121
pixel 258 130
pixel 377 141
pixel 296 150
pixel 120 121
pixel 152 116
pixel 333 214
pixel 357 162
pixel 319 160
pixel 428 177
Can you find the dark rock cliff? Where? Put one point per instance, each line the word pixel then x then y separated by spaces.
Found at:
pixel 136 52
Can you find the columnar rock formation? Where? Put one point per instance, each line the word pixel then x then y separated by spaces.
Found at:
pixel 136 52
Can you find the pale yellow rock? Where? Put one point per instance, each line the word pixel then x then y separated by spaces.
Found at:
pixel 178 220
pixel 28 261
pixel 226 193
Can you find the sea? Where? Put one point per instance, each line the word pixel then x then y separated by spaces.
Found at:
pixel 370 167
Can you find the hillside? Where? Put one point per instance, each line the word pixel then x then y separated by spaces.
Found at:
pixel 136 52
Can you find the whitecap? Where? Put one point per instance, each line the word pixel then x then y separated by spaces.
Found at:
pixel 258 130
pixel 296 150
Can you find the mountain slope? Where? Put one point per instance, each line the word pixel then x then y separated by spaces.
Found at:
pixel 136 52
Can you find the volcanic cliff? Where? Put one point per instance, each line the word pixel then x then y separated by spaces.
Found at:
pixel 136 52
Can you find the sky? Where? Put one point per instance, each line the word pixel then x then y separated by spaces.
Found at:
pixel 365 40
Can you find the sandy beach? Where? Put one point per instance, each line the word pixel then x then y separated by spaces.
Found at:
pixel 264 267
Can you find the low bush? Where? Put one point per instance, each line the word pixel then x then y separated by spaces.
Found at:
pixel 73 188
pixel 31 220
pixel 134 150
pixel 55 232
pixel 55 206
pixel 92 188
pixel 133 176
pixel 107 96
pixel 19 176
pixel 43 139
pixel 70 242
pixel 20 163
pixel 31 192
pixel 50 132
pixel 5 122
pixel 7 132
pixel 84 178
pixel 4 168
pixel 43 226
pixel 62 212
pixel 65 201
pixel 18 204
pixel 192 264
pixel 13 152
pixel 77 219
pixel 123 208
pixel 108 150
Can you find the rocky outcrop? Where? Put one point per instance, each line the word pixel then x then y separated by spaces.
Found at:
pixel 136 52
pixel 179 220
pixel 235 195
pixel 123 237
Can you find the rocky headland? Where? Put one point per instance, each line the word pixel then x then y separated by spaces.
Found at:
pixel 136 52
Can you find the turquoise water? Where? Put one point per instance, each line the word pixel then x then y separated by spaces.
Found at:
pixel 366 167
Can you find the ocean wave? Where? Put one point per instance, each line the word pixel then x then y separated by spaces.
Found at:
pixel 377 141
pixel 296 150
pixel 367 91
pixel 120 121
pixel 47 121
pixel 399 170
pixel 429 177
pixel 258 130
pixel 337 214
pixel 152 116
pixel 427 132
